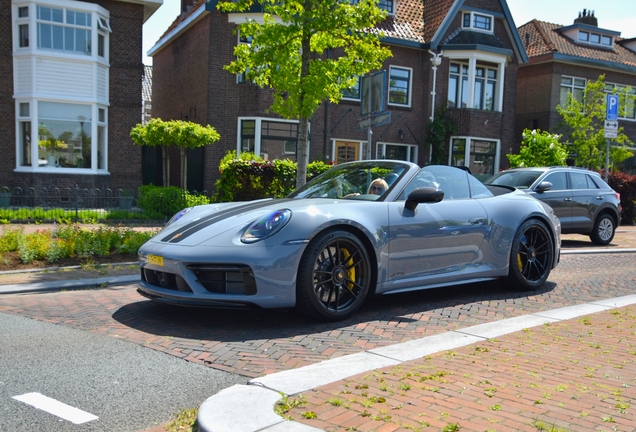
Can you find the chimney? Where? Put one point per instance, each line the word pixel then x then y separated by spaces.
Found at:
pixel 186 5
pixel 587 17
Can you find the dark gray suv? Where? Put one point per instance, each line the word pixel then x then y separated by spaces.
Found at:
pixel 582 201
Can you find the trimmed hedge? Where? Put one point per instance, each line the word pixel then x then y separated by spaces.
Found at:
pixel 249 177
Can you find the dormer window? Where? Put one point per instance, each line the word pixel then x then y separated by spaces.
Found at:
pixel 595 38
pixel 386 5
pixel 477 21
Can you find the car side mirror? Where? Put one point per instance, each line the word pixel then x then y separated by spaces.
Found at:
pixel 543 186
pixel 423 195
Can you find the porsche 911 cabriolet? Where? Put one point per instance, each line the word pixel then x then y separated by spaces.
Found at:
pixel 362 228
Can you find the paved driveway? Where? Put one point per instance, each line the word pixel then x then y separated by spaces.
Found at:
pixel 254 343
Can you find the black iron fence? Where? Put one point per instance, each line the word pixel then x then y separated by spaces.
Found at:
pixel 78 204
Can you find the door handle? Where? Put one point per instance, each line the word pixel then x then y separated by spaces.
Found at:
pixel 600 198
pixel 567 199
pixel 476 220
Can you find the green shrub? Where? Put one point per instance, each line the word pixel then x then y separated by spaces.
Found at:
pixel 249 177
pixel 166 201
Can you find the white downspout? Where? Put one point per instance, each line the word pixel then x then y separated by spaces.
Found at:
pixel 436 59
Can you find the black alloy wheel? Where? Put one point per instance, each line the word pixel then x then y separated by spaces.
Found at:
pixel 531 256
pixel 334 276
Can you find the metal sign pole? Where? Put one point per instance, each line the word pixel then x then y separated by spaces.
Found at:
pixel 607 160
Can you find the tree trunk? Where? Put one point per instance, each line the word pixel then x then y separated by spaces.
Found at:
pixel 184 168
pixel 165 160
pixel 303 121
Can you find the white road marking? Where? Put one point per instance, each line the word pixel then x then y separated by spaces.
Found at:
pixel 57 408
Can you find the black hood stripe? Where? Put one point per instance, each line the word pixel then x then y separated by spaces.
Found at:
pixel 196 226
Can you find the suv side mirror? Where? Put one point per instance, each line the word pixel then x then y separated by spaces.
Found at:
pixel 543 186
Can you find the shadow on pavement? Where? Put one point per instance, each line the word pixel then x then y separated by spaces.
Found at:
pixel 235 325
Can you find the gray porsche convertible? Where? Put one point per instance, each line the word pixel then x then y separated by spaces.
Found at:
pixel 361 228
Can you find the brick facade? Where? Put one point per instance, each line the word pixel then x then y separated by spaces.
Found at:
pixel 124 112
pixel 188 72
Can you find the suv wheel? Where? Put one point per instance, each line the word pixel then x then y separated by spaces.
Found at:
pixel 603 232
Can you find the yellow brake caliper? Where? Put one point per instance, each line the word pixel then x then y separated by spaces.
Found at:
pixel 351 273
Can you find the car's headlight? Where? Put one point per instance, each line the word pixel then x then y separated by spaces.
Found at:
pixel 179 215
pixel 266 226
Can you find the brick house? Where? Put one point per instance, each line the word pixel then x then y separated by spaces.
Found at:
pixel 70 92
pixel 465 57
pixel 562 59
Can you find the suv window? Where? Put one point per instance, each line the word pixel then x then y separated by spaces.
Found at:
pixel 558 180
pixel 579 181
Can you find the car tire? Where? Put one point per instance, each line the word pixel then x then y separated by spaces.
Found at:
pixel 531 256
pixel 334 276
pixel 604 230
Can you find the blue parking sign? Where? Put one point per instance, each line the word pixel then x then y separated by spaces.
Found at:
pixel 612 107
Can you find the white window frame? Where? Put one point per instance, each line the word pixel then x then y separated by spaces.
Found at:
pixel 359 87
pixel 409 90
pixel 471 25
pixel 37 164
pixel 467 152
pixel 411 151
pixel 382 5
pixel 572 86
pixel 258 123
pixel 472 57
pixel 585 36
pixel 628 92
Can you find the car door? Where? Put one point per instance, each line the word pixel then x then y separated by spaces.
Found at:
pixel 435 239
pixel 584 196
pixel 559 197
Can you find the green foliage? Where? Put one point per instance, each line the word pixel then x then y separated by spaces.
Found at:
pixel 439 130
pixel 182 134
pixel 166 201
pixel 585 122
pixel 249 177
pixel 539 148
pixel 66 241
pixel 295 54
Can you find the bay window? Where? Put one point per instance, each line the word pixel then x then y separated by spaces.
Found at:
pixel 476 82
pixel 61 50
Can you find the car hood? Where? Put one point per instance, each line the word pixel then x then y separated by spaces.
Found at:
pixel 205 224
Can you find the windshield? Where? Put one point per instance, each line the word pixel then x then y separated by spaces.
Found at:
pixel 368 180
pixel 518 179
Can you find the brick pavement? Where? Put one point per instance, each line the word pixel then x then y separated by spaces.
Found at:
pixel 259 342
pixel 576 375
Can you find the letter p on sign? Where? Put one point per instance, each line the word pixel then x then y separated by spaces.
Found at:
pixel 612 107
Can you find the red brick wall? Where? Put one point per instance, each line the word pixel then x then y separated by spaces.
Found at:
pixel 7 104
pixel 124 112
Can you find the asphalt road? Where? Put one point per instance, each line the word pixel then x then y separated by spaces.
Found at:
pixel 127 387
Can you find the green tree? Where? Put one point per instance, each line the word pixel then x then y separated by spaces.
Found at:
pixel 182 134
pixel 307 51
pixel 539 148
pixel 585 123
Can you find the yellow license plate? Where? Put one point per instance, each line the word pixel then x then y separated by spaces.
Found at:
pixel 156 260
